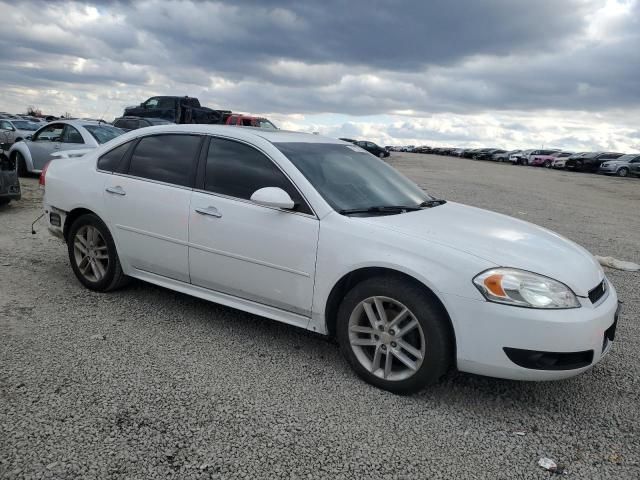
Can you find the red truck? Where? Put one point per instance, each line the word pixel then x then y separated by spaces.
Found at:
pixel 241 120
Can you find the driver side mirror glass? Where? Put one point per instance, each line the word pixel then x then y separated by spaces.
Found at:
pixel 273 197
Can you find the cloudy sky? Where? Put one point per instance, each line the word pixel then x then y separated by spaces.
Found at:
pixel 558 73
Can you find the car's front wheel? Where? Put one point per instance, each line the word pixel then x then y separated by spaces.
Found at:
pixel 623 172
pixel 393 335
pixel 93 255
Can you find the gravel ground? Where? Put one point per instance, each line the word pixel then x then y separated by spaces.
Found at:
pixel 146 383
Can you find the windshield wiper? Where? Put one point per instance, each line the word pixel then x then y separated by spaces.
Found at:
pixel 381 209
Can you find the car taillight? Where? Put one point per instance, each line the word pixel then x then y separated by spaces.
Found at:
pixel 43 174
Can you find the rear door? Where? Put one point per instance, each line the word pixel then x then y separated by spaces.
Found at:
pixel 240 248
pixel 148 204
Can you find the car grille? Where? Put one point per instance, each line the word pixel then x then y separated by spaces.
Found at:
pixel 598 292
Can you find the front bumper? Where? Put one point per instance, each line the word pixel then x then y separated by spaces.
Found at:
pixel 484 329
pixel 608 169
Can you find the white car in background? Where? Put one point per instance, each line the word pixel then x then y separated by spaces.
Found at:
pixel 36 150
pixel 15 130
pixel 318 233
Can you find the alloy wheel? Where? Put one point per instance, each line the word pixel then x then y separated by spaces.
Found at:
pixel 386 338
pixel 91 253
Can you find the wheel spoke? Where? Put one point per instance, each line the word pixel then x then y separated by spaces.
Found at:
pixel 101 256
pixel 411 349
pixel 387 364
pixel 100 268
pixel 359 329
pixel 404 359
pixel 93 269
pixel 83 241
pixel 84 265
pixel 100 248
pixel 398 318
pixel 381 313
pixel 364 342
pixel 79 246
pixel 371 315
pixel 375 363
pixel 407 328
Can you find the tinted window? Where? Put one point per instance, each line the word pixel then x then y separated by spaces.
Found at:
pixel 166 158
pixel 110 160
pixel 237 170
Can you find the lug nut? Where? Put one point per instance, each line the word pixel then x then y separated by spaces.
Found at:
pixel 393 344
pixel 380 327
pixel 392 332
pixel 384 347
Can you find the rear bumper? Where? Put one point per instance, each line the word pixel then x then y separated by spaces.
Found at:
pixel 484 330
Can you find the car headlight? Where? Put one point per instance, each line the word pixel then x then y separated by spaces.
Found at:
pixel 524 289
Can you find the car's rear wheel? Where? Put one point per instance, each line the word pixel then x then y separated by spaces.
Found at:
pixel 393 335
pixel 623 172
pixel 93 254
pixel 579 165
pixel 381 155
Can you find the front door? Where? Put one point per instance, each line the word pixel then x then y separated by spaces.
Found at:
pixel 243 249
pixel 46 141
pixel 148 205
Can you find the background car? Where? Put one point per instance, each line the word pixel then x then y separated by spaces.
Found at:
pixel 132 123
pixel 621 166
pixel 483 153
pixel 33 153
pixel 542 158
pixel 590 162
pixel 17 130
pixel 9 182
pixel 560 159
pixel 520 158
pixel 503 155
pixel 373 148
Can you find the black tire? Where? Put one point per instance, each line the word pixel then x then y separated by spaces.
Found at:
pixel 579 165
pixel 4 201
pixel 432 320
pixel 22 165
pixel 113 278
pixel 547 163
pixel 381 155
pixel 623 172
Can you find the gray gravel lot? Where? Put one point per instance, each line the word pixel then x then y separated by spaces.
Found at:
pixel 146 383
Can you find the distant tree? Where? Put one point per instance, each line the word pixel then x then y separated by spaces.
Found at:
pixel 66 115
pixel 34 111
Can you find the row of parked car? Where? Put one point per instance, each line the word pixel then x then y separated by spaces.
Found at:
pixel 610 163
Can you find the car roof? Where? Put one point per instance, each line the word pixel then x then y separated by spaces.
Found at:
pixel 273 136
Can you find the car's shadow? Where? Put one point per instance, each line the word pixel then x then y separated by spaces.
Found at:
pixel 455 388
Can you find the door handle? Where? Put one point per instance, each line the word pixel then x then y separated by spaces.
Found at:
pixel 116 190
pixel 211 211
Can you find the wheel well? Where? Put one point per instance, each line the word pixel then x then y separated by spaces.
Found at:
pixel 351 279
pixel 19 139
pixel 71 217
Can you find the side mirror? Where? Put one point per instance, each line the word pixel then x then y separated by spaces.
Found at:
pixel 273 197
pixel 28 137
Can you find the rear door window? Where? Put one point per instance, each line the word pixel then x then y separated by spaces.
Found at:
pixel 166 158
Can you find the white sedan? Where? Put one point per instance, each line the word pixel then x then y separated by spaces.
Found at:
pixel 319 234
pixel 50 141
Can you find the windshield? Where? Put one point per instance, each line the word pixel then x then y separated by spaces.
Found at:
pixel 349 178
pixel 25 125
pixel 262 123
pixel 103 133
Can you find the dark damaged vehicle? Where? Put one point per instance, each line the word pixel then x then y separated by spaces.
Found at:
pixel 9 183
pixel 176 110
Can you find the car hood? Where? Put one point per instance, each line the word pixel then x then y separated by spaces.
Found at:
pixel 502 240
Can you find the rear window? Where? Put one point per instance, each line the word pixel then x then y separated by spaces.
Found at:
pixel 103 133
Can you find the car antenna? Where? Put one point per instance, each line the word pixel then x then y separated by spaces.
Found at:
pixel 103 114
